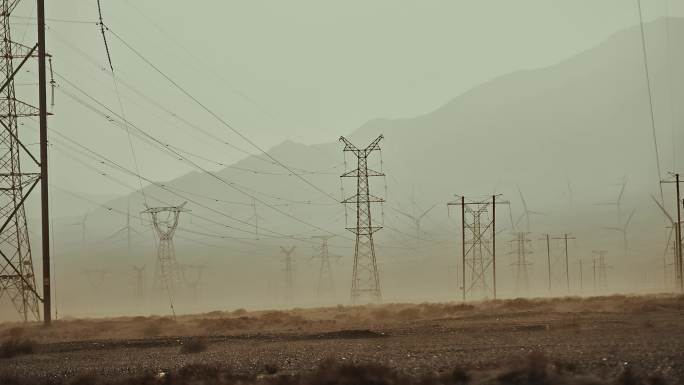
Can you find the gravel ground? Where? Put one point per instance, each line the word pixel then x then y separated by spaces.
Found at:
pixel 597 342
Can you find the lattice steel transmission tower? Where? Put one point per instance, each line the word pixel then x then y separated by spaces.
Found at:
pixel 326 284
pixel 288 270
pixel 167 273
pixel 521 250
pixel 365 276
pixel 139 278
pixel 192 276
pixel 17 278
pixel 478 244
pixel 600 270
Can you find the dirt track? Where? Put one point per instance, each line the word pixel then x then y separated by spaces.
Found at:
pixel 599 336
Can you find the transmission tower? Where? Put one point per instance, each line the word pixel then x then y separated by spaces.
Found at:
pixel 17 278
pixel 165 222
pixel 600 270
pixel 521 250
pixel 326 284
pixel 255 217
pixel 565 239
pixel 478 245
pixel 95 277
pixel 289 281
pixel 365 276
pixel 193 280
pixel 139 272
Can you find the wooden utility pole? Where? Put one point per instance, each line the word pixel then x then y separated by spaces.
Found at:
pixel 565 238
pixel 44 196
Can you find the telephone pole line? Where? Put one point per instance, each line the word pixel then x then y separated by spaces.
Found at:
pixel 365 276
pixel 565 238
pixel 478 249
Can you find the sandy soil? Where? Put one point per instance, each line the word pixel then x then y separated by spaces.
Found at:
pixel 600 336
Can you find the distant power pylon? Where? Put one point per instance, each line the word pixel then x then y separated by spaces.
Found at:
pixel 167 272
pixel 82 224
pixel 139 277
pixel 192 276
pixel 600 270
pixel 365 276
pixel 95 277
pixel 289 274
pixel 255 217
pixel 326 284
pixel 565 239
pixel 521 250
pixel 478 247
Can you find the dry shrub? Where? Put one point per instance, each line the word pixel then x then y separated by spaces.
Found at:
pixel 240 312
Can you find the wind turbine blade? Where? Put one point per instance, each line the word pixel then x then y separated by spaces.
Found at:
pixel 672 221
pixel 427 211
pixel 669 239
pixel 613 229
pixel 522 198
pixel 629 218
pixel 622 190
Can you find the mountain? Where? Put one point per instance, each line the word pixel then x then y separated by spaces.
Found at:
pixel 564 135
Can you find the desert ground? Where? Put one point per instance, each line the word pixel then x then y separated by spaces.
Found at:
pixel 596 340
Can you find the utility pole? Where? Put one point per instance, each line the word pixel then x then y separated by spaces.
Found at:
pixel 565 238
pixel 581 274
pixel 167 272
pixel 365 276
pixel 17 278
pixel 548 257
pixel 679 262
pixel 326 285
pixel 289 287
pixel 478 250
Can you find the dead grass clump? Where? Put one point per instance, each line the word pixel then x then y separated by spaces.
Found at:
pixel 194 345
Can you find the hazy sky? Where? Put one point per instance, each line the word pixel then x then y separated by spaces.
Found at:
pixel 304 70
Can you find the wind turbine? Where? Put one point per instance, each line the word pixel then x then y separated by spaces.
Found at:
pixel 623 230
pixel 526 212
pixel 81 223
pixel 416 219
pixel 618 202
pixel 128 229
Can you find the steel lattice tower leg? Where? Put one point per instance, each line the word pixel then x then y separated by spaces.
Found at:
pixel 522 251
pixel 167 272
pixel 17 278
pixel 365 277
